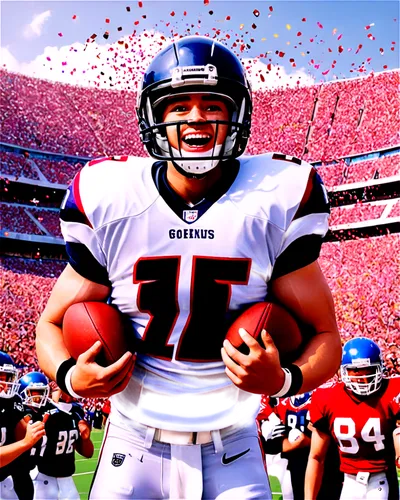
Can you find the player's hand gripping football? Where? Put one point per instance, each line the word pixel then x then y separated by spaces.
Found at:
pixel 260 371
pixel 91 380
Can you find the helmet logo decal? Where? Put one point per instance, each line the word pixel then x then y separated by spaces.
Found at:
pixel 194 75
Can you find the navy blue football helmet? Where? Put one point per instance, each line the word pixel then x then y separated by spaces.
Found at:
pixel 194 65
pixel 362 353
pixel 300 399
pixel 34 389
pixel 8 376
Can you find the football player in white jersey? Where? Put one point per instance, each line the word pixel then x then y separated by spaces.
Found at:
pixel 180 245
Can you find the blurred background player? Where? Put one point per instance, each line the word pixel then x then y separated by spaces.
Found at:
pixel 360 414
pixel 17 435
pixel 221 232
pixel 291 437
pixel 66 431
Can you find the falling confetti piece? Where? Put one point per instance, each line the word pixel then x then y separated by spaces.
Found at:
pixel 206 2
pixel 359 48
pixel 172 13
pixel 107 20
pixel 128 9
pixel 385 67
pixel 381 51
pixel 334 31
pixel 106 35
pixel 48 58
pixel 254 26
pixel 64 63
pixel 371 36
pixel 281 54
pixel 256 12
pixel 340 49
pixel 276 35
pixel 263 39
pixel 288 27
pixel 60 34
pixel 325 72
pixel 299 33
pixel 311 39
pixel 304 20
pixel 319 25
pixel 74 16
pixel 119 28
pixel 271 9
pixel 339 37
pixel 262 78
pixel 136 23
pixel 211 12
pixel 241 26
pixel 228 18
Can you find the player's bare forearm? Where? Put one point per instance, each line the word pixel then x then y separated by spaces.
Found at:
pixel 85 447
pixel 319 360
pixel 69 289
pixel 306 293
pixel 288 446
pixel 313 478
pixel 10 452
pixel 315 466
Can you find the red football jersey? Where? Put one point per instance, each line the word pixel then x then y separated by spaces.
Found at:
pixel 362 428
pixel 265 409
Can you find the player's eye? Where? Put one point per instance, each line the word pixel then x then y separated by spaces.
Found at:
pixel 214 108
pixel 178 108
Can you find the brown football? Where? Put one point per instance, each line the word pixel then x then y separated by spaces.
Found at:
pixel 86 322
pixel 284 329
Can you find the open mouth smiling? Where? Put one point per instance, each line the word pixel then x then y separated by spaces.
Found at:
pixel 197 140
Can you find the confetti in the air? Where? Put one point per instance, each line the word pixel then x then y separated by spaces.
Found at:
pixel 276 35
pixel 319 25
pixel 140 4
pixel 107 20
pixel 288 27
pixel 304 20
pixel 74 16
pixel 128 9
pixel 256 12
pixel 271 9
pixel 206 2
pixel 60 34
pixel 172 13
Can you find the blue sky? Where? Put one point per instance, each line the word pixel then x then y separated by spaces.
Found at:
pixel 271 32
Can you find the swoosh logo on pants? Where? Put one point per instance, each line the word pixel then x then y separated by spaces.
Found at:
pixel 228 460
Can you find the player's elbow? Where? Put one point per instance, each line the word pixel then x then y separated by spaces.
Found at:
pixel 335 353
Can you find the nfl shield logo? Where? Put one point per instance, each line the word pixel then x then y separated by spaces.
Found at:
pixel 190 215
pixel 117 459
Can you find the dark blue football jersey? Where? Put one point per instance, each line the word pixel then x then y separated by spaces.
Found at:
pixel 11 412
pixel 54 453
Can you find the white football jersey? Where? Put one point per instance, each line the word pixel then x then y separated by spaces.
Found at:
pixel 181 272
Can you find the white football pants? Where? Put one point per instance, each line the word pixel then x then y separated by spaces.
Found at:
pixel 7 489
pixel 130 467
pixel 377 488
pixel 54 488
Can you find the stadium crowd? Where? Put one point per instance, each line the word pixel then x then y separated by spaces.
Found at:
pixel 319 122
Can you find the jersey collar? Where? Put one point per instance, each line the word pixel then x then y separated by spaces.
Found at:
pixel 191 213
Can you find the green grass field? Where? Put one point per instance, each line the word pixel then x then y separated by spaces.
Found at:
pixel 86 467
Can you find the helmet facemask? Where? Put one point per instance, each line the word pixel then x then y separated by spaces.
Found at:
pixel 189 81
pixel 352 382
pixel 36 395
pixel 8 387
